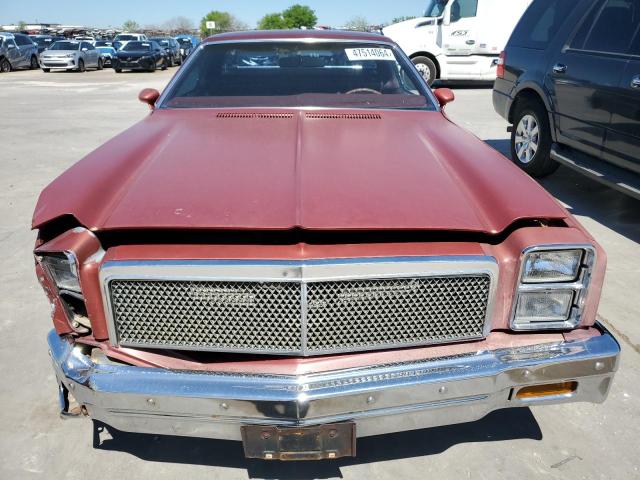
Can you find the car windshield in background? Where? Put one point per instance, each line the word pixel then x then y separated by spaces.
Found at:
pixel 137 46
pixel 65 46
pixel 126 38
pixel 43 42
pixel 164 43
pixel 298 74
pixel 184 40
pixel 103 44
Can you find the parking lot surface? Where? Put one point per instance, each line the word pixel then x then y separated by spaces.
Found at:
pixel 49 121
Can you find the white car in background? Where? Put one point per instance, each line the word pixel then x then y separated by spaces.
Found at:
pixel 70 55
pixel 125 38
pixel 458 39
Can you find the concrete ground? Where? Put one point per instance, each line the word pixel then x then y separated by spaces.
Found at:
pixel 49 121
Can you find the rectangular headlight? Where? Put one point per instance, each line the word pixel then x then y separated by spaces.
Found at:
pixel 552 287
pixel 63 270
pixel 550 306
pixel 549 266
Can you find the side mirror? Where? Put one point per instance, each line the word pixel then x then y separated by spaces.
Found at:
pixel 444 96
pixel 149 96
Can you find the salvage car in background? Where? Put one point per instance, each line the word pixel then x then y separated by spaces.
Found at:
pixel 125 38
pixel 186 47
pixel 171 47
pixel 569 82
pixel 17 51
pixel 107 51
pixel 44 41
pixel 147 56
pixel 302 250
pixel 70 55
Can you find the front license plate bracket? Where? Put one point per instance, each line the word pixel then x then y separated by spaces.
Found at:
pixel 316 442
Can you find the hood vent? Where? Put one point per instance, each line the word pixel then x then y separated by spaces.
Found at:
pixel 255 115
pixel 345 116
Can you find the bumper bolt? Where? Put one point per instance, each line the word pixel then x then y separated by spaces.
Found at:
pixel 265 435
pixel 442 390
pixel 526 373
pixel 333 433
pixel 599 366
pixel 151 401
pixel 224 406
pixel 371 400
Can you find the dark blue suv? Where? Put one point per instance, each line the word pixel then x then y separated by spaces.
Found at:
pixel 569 83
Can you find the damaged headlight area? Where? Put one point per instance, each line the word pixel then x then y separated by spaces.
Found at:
pixel 62 269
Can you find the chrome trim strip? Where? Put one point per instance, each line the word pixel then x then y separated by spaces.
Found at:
pixel 299 271
pixel 580 287
pixel 379 398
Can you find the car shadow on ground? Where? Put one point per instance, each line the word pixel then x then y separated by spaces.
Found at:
pixel 501 425
pixel 589 198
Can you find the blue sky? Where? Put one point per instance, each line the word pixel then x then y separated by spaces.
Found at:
pixel 114 12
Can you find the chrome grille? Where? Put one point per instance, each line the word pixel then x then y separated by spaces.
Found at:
pixel 209 315
pixel 371 313
pixel 294 308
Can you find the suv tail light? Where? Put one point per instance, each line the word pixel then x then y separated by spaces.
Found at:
pixel 501 61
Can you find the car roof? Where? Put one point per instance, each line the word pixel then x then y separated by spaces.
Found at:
pixel 298 34
pixel 7 35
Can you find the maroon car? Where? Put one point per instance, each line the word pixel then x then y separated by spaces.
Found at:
pixel 297 248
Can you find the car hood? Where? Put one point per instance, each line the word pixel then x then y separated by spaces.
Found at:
pixel 56 53
pixel 318 169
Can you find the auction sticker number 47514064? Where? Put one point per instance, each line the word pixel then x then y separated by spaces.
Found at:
pixel 359 54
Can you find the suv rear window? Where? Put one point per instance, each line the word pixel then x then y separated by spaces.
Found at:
pixel 540 23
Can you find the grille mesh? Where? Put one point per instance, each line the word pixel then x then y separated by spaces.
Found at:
pixel 267 317
pixel 208 315
pixel 371 313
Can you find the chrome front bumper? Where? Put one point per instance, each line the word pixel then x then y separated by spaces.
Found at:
pixel 379 399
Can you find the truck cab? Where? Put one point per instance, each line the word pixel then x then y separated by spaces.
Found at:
pixel 458 39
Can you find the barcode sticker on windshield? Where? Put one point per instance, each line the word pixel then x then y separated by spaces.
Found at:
pixel 360 54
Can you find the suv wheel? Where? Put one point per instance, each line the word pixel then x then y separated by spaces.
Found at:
pixel 100 65
pixel 426 68
pixel 81 67
pixel 5 65
pixel 34 63
pixel 531 140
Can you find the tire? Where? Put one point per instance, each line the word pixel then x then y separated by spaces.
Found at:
pixel 152 67
pixel 81 67
pixel 46 70
pixel 171 63
pixel 100 65
pixel 426 68
pixel 5 65
pixel 118 70
pixel 531 139
pixel 164 65
pixel 34 63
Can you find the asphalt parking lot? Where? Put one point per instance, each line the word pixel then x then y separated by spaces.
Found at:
pixel 49 121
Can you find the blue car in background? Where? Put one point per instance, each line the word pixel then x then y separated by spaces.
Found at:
pixel 107 51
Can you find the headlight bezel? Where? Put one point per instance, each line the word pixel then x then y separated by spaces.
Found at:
pixel 579 285
pixel 45 260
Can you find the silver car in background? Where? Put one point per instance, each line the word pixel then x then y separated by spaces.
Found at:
pixel 17 51
pixel 71 55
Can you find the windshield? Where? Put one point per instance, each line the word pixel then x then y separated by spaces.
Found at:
pixel 43 42
pixel 184 40
pixel 65 46
pixel 103 44
pixel 435 8
pixel 137 46
pixel 164 43
pixel 126 38
pixel 298 74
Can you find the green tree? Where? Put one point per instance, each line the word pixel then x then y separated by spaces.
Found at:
pixel 130 26
pixel 272 21
pixel 298 16
pixel 225 22
pixel 358 24
pixel 22 26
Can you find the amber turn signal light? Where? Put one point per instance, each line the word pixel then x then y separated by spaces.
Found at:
pixel 551 389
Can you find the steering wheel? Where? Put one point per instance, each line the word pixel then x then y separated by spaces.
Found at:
pixel 363 90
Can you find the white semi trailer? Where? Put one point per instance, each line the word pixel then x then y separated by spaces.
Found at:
pixel 458 39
